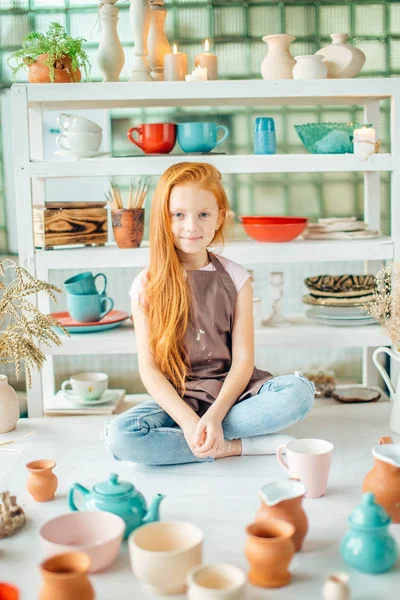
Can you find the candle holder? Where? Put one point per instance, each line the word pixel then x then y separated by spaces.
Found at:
pixel 139 16
pixel 158 44
pixel 276 319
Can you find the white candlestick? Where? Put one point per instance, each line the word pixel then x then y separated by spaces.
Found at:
pixel 199 74
pixel 175 66
pixel 364 141
pixel 208 60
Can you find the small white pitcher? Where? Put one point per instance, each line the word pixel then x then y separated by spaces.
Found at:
pixel 394 422
pixel 336 587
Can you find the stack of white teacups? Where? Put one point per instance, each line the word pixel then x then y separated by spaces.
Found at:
pixel 80 135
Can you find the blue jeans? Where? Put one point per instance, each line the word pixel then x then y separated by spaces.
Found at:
pixel 146 434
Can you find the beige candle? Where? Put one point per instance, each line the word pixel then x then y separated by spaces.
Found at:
pixel 175 65
pixel 208 60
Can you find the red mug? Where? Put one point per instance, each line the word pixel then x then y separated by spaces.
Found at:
pixel 154 138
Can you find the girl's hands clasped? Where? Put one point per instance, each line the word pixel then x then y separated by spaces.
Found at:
pixel 209 436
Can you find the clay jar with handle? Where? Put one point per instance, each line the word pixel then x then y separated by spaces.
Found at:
pixel 283 500
pixel 42 482
pixel 65 577
pixel 384 478
pixel 128 227
pixel 269 550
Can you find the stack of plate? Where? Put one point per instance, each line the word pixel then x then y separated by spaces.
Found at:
pixel 339 228
pixel 339 300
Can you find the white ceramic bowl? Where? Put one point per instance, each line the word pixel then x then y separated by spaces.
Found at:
pixel 163 553
pixel 216 582
pixel 97 533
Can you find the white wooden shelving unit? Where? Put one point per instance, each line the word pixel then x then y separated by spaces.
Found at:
pixel 31 171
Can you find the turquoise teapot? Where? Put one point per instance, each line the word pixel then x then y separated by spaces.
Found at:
pixel 368 546
pixel 120 498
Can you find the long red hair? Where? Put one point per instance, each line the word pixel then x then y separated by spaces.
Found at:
pixel 166 291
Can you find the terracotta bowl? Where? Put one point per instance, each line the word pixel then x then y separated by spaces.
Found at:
pixel 163 553
pixel 97 533
pixel 8 592
pixel 273 229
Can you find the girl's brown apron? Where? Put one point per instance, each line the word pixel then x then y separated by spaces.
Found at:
pixel 208 338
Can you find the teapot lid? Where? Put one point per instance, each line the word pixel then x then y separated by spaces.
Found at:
pixel 113 487
pixel 369 514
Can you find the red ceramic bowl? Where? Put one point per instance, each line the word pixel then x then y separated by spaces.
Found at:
pixel 273 229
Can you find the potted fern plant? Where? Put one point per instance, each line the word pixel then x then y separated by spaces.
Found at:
pixel 22 329
pixel 51 57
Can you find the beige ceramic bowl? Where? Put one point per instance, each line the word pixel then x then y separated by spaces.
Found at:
pixel 97 533
pixel 216 582
pixel 163 553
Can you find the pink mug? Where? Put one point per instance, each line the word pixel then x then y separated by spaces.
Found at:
pixel 308 460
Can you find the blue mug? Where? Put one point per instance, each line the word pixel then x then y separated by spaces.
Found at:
pixel 264 136
pixel 200 136
pixel 84 283
pixel 87 308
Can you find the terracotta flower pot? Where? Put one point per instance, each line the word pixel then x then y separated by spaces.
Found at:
pixel 128 227
pixel 384 478
pixel 42 482
pixel 39 72
pixel 269 550
pixel 8 592
pixel 65 577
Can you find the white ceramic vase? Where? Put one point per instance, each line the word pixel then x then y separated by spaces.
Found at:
pixel 278 63
pixel 157 42
pixel 139 16
pixel 9 409
pixel 309 66
pixel 110 55
pixel 342 60
pixel 336 587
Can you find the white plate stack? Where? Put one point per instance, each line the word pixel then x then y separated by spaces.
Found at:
pixel 339 228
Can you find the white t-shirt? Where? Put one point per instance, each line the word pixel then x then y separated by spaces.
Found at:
pixel 238 274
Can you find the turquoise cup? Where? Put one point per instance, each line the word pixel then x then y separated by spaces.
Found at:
pixel 88 308
pixel 84 283
pixel 201 136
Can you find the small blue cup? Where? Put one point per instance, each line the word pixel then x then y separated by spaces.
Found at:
pixel 264 136
pixel 87 308
pixel 84 283
pixel 200 136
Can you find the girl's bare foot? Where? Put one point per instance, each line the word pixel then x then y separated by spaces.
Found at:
pixel 231 448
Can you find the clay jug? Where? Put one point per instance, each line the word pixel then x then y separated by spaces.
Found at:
pixel 336 587
pixel 269 550
pixel 283 500
pixel 278 63
pixel 9 408
pixel 39 72
pixel 65 577
pixel 42 482
pixel 384 478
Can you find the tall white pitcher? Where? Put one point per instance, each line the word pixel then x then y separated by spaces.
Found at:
pixel 394 423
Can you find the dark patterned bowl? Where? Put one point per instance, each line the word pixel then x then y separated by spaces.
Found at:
pixel 342 286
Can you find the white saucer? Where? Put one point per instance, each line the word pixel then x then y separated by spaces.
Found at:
pixel 82 153
pixel 107 396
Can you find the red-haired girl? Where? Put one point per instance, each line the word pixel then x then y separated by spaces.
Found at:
pixel 193 317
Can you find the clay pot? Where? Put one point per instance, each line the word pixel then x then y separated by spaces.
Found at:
pixel 8 592
pixel 269 550
pixel 39 72
pixel 42 482
pixel 128 227
pixel 65 577
pixel 283 500
pixel 384 479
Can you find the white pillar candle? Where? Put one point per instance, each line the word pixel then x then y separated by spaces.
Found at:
pixel 199 74
pixel 209 60
pixel 364 141
pixel 175 65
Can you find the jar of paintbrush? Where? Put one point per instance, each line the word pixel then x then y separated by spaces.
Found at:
pixel 128 223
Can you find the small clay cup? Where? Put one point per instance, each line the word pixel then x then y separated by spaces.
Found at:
pixel 8 592
pixel 42 482
pixel 65 577
pixel 269 550
pixel 128 227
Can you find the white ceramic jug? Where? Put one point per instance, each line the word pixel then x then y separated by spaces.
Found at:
pixel 394 422
pixel 309 66
pixel 336 587
pixel 9 408
pixel 341 58
pixel 279 63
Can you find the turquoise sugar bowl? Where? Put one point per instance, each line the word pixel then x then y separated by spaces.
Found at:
pixel 120 498
pixel 368 546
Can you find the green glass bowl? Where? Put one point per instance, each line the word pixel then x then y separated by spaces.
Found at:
pixel 328 138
